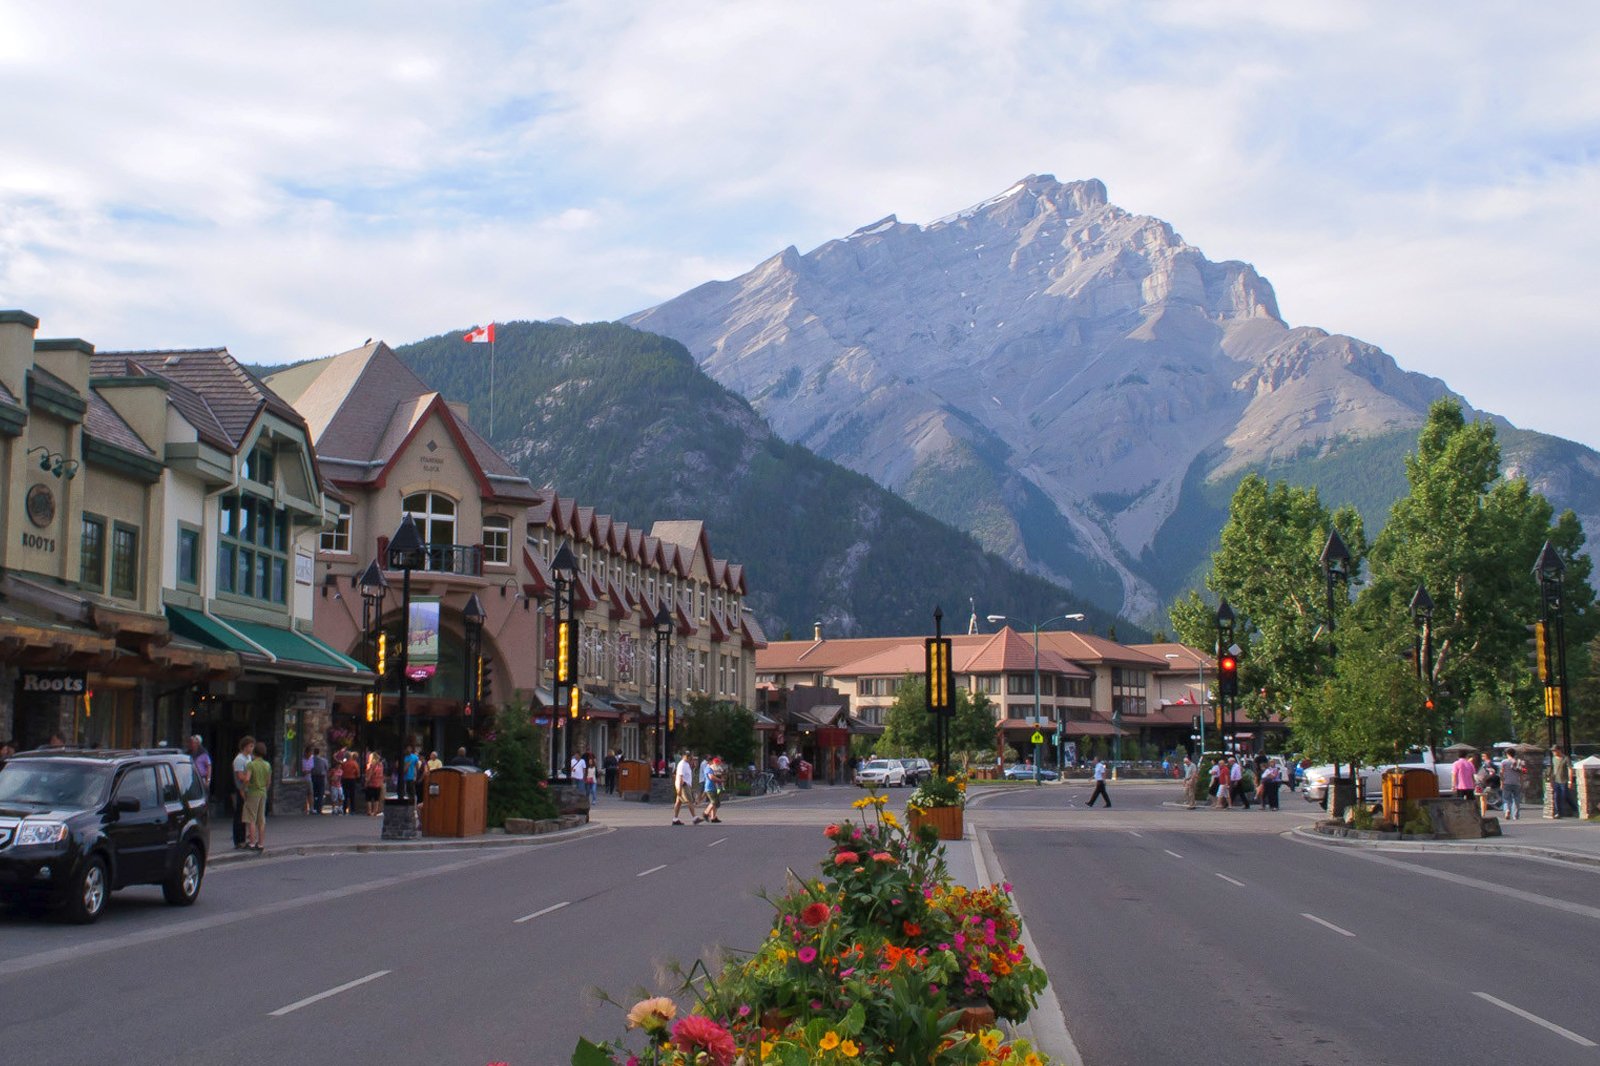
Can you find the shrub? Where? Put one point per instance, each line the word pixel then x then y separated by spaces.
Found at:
pixel 517 785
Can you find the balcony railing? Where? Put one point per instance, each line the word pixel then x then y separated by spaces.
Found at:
pixel 455 559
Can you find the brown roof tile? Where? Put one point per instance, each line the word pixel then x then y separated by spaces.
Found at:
pixel 103 423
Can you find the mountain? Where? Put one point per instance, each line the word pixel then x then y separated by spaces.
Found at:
pixel 625 422
pixel 1073 384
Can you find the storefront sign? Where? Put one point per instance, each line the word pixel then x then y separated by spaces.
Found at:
pixel 424 633
pixel 304 569
pixel 54 682
pixel 41 503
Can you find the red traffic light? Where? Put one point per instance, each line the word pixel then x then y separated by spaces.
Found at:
pixel 1429 704
pixel 1230 665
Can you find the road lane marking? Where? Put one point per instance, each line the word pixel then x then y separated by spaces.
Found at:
pixel 1326 924
pixel 1580 909
pixel 1536 1020
pixel 714 843
pixel 1135 833
pixel 541 914
pixel 653 869
pixel 1230 880
pixel 320 996
pixel 1174 854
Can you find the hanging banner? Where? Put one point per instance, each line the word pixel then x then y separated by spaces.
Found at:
pixel 422 654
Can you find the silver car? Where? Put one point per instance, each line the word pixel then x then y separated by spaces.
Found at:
pixel 882 773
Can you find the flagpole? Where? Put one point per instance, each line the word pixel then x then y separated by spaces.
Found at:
pixel 491 383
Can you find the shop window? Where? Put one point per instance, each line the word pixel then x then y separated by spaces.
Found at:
pixel 125 562
pixel 337 539
pixel 92 552
pixel 188 556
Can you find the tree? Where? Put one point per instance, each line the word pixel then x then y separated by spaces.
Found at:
pixel 908 727
pixel 1268 568
pixel 717 728
pixel 512 750
pixel 1471 536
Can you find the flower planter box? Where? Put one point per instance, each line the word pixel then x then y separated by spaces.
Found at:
pixel 946 821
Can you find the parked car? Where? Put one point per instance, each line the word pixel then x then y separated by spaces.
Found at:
pixel 1019 772
pixel 882 773
pixel 75 825
pixel 1314 781
pixel 917 770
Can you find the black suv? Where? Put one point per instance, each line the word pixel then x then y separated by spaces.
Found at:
pixel 76 824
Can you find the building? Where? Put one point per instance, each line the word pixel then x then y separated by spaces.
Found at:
pixel 161 511
pixel 391 446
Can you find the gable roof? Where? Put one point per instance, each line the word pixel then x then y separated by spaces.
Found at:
pixel 215 393
pixel 102 422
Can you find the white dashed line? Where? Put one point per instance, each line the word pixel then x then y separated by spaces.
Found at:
pixel 320 996
pixel 1536 1020
pixel 1174 854
pixel 714 843
pixel 1326 924
pixel 540 914
pixel 653 869
pixel 1230 880
pixel 1135 833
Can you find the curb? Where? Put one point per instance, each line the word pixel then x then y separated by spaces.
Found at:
pixel 1471 847
pixel 497 840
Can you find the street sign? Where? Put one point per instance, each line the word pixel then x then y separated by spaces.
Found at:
pixel 1038 737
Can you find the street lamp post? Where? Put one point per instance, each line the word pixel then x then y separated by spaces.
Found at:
pixel 374 589
pixel 564 568
pixel 1336 570
pixel 406 553
pixel 1117 739
pixel 1422 646
pixel 1551 648
pixel 473 617
pixel 1225 622
pixel 663 628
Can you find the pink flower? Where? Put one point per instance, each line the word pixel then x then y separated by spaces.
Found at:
pixel 744 1010
pixel 1007 886
pixel 696 1033
pixel 807 954
pixel 845 858
pixel 831 832
pixel 882 856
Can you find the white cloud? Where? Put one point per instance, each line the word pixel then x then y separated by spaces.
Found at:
pixel 290 178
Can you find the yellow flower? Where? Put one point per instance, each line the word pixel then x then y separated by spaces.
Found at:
pixel 990 1039
pixel 829 1041
pixel 890 820
pixel 880 800
pixel 1032 1060
pixel 861 804
pixel 849 1050
pixel 767 1046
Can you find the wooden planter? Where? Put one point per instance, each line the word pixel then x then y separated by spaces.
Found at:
pixel 946 821
pixel 976 1017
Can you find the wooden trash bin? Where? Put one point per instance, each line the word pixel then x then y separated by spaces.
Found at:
pixel 1402 789
pixel 455 802
pixel 633 778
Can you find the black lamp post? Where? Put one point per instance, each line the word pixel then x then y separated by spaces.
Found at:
pixel 472 618
pixel 1551 647
pixel 1335 569
pixel 565 569
pixel 406 553
pixel 374 588
pixel 663 628
pixel 1225 700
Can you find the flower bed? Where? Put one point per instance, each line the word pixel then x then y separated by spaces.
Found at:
pixel 881 959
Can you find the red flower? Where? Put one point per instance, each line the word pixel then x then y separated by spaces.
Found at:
pixel 696 1033
pixel 911 928
pixel 815 914
pixel 845 858
pixel 831 832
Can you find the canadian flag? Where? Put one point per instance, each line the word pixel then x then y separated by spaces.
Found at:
pixel 481 335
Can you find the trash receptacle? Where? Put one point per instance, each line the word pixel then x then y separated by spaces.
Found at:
pixel 455 802
pixel 633 778
pixel 1403 788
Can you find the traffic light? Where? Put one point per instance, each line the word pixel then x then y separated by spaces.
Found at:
pixel 383 654
pixel 564 653
pixel 1227 676
pixel 1195 723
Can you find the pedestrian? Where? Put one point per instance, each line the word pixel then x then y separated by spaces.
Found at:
pixel 353 775
pixel 461 758
pixel 197 752
pixel 610 764
pixel 1513 772
pixel 336 787
pixel 783 768
pixel 241 778
pixel 1271 781
pixel 433 763
pixel 1222 782
pixel 683 788
pixel 372 786
pixel 716 781
pixel 1100 784
pixel 1191 781
pixel 590 781
pixel 258 778
pixel 410 767
pixel 575 770
pixel 1488 782
pixel 306 763
pixel 1463 775
pixel 1561 801
pixel 1236 778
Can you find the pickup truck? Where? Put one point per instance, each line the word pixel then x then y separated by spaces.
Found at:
pixel 1315 788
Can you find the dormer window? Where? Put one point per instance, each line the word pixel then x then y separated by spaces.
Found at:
pixel 337 539
pixel 259 466
pixel 497 540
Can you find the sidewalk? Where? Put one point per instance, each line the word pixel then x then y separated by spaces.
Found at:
pixel 1566 839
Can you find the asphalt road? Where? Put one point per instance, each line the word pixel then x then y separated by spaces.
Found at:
pixel 434 964
pixel 1171 942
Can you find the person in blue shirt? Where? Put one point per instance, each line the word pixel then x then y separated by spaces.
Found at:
pixel 409 767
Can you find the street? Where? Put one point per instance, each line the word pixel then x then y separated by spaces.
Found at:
pixel 1168 934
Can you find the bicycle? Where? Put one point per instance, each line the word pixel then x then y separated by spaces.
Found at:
pixel 765 784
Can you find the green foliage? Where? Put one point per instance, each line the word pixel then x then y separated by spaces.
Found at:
pixel 513 750
pixel 709 727
pixel 1417 822
pixel 625 421
pixel 908 727
pixel 1361 816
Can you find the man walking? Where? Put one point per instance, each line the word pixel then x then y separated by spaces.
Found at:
pixel 1511 777
pixel 683 788
pixel 1561 801
pixel 241 781
pixel 1100 784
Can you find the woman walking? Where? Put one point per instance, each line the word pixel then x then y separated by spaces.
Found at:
pixel 258 777
pixel 374 784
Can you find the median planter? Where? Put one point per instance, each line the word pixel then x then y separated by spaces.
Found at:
pixel 946 821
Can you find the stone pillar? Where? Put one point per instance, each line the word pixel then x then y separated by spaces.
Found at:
pixel 400 821
pixel 8 702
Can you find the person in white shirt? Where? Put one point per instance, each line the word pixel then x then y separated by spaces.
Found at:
pixel 1100 784
pixel 241 772
pixel 683 788
pixel 783 767
pixel 576 768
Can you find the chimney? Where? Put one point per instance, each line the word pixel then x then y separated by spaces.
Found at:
pixel 16 351
pixel 816 631
pixel 68 359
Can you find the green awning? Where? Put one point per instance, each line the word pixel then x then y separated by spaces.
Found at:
pixel 293 651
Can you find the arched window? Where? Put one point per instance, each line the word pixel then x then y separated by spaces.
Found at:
pixel 435 515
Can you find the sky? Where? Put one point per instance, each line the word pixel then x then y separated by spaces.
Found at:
pixel 289 179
